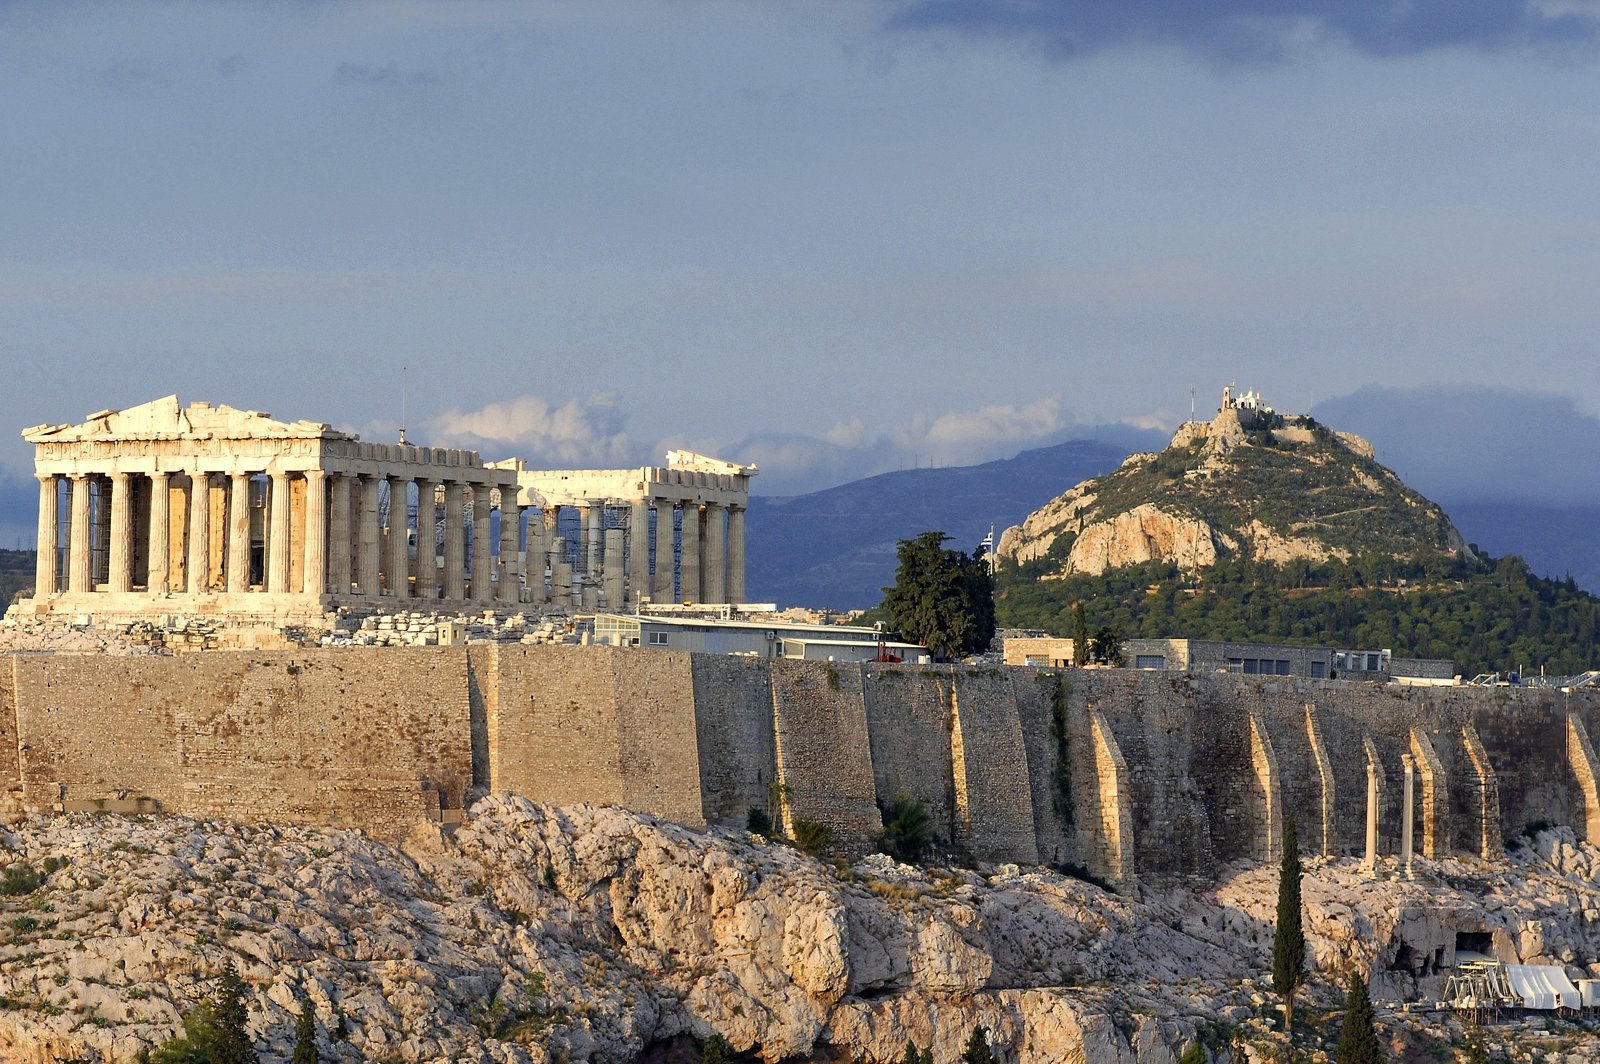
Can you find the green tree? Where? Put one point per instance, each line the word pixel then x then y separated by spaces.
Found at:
pixel 1106 647
pixel 977 1050
pixel 1289 939
pixel 1080 636
pixel 913 1055
pixel 941 598
pixel 717 1051
pixel 1195 1054
pixel 305 1037
pixel 1358 1039
pixel 232 1043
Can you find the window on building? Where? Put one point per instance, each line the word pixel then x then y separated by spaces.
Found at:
pixel 1319 670
pixel 1280 667
pixel 658 639
pixel 1149 661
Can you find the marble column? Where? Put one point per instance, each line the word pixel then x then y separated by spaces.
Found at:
pixel 736 588
pixel 661 586
pixel 160 550
pixel 278 549
pixel 368 536
pixel 533 568
pixel 199 563
pixel 239 533
pixel 455 582
pixel 397 564
pixel 44 570
pixel 482 558
pixel 689 556
pixel 314 578
pixel 615 580
pixel 591 526
pixel 78 535
pixel 427 545
pixel 120 570
pixel 339 487
pixel 510 586
pixel 638 551
pixel 714 575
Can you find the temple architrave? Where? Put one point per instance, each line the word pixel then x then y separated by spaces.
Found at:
pixel 163 510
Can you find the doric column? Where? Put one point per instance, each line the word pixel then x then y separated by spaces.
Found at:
pixel 120 574
pixel 714 576
pixel 615 581
pixel 638 550
pixel 689 556
pixel 591 520
pixel 427 546
pixel 455 583
pixel 482 560
pixel 397 566
pixel 510 587
pixel 78 535
pixel 533 570
pixel 339 485
pixel 44 570
pixel 199 564
pixel 239 532
pixel 661 586
pixel 160 532
pixel 736 588
pixel 314 577
pixel 278 549
pixel 368 535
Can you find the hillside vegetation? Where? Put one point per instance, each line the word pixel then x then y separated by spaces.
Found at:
pixel 16 573
pixel 1484 615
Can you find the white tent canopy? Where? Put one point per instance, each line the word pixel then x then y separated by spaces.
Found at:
pixel 1543 986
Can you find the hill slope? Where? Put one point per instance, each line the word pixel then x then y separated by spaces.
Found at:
pixel 1250 484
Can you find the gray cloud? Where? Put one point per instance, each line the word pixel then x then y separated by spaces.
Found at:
pixel 1246 31
pixel 1459 445
pixel 387 74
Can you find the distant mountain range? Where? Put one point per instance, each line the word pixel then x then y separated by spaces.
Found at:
pixel 836 548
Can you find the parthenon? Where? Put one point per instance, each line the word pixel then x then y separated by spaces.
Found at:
pixel 208 510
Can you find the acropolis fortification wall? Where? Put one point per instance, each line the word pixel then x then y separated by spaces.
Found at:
pixel 1133 774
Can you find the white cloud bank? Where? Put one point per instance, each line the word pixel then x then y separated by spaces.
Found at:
pixel 579 433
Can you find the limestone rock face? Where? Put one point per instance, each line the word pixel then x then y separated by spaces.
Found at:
pixel 541 934
pixel 1143 534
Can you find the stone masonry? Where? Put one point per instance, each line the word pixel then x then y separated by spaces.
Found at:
pixel 1133 774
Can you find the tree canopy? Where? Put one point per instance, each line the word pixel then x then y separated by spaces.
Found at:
pixel 942 599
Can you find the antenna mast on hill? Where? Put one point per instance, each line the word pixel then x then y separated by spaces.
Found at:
pixel 402 404
pixel 1191 402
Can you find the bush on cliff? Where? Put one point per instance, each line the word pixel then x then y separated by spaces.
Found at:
pixel 907 829
pixel 977 1050
pixel 811 837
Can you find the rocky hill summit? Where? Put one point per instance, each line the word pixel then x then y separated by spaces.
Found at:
pixel 539 934
pixel 1250 483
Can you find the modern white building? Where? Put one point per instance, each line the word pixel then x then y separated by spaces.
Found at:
pixel 760 638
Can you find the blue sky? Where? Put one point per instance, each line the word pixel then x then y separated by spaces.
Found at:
pixel 831 238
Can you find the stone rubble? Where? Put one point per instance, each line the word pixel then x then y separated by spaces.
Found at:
pixel 538 934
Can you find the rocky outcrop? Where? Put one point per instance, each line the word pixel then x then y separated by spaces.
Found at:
pixel 1145 533
pixel 582 933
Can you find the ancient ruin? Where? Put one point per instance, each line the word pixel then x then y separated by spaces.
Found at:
pixel 162 510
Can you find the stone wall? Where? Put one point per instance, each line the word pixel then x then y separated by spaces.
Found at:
pixel 338 737
pixel 1131 773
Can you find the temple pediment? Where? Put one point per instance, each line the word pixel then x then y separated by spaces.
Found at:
pixel 167 419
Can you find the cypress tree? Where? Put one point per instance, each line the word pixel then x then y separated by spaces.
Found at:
pixel 1289 939
pixel 232 1044
pixel 913 1054
pixel 305 1037
pixel 977 1050
pixel 1358 1039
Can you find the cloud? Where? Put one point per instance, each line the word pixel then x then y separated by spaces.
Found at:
pixel 1476 444
pixel 1254 31
pixel 387 74
pixel 956 436
pixel 577 434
